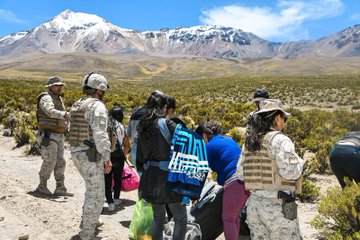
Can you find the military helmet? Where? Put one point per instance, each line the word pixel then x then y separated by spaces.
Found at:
pixel 54 81
pixel 261 94
pixel 95 81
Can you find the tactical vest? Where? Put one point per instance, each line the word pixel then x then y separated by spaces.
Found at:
pixel 261 171
pixel 80 129
pixel 47 123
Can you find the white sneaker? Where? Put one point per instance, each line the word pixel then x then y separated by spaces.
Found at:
pixel 111 207
pixel 118 201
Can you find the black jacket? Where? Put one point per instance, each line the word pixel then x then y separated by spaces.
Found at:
pixel 153 181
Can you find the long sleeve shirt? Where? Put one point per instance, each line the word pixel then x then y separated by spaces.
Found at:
pixel 47 105
pixel 96 115
pixel 290 165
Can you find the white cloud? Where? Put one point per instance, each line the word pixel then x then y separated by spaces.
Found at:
pixel 9 16
pixel 285 21
pixel 355 17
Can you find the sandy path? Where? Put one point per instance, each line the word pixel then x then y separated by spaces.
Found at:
pixel 23 212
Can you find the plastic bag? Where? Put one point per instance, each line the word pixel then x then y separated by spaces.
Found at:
pixel 141 221
pixel 130 179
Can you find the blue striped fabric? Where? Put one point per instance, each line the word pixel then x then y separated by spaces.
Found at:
pixel 188 166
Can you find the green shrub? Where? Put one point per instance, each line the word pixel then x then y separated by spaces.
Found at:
pixel 310 192
pixel 338 216
pixel 24 126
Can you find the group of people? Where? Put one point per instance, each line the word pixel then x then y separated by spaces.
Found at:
pixel 265 174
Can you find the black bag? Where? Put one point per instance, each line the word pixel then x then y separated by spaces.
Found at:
pixel 207 213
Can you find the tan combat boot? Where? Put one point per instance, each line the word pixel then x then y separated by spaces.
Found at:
pixel 42 188
pixel 61 190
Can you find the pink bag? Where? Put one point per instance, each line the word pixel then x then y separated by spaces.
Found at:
pixel 130 179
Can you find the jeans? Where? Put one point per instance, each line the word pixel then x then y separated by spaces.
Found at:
pixel 345 162
pixel 180 219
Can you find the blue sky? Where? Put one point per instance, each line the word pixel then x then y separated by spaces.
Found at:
pixel 276 20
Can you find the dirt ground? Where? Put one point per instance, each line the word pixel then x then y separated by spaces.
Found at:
pixel 28 215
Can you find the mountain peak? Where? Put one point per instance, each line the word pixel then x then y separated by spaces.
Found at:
pixel 69 20
pixel 65 14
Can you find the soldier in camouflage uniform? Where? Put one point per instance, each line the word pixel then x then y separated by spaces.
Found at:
pixel 90 148
pixel 271 170
pixel 52 123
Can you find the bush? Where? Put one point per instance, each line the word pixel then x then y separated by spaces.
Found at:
pixel 338 216
pixel 310 192
pixel 24 127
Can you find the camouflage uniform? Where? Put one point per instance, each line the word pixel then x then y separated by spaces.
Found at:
pixel 264 209
pixel 52 162
pixel 96 116
pixel 51 116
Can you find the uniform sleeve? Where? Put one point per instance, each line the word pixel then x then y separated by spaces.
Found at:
pixel 97 116
pixel 290 165
pixel 240 165
pixel 47 105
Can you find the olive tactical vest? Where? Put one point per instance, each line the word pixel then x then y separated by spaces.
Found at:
pixel 261 171
pixel 47 123
pixel 80 129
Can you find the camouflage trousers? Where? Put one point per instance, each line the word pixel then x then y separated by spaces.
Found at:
pixel 266 220
pixel 53 158
pixel 93 175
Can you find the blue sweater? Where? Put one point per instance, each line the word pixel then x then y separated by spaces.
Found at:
pixel 223 154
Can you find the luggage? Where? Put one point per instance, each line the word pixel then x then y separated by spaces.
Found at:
pixel 204 218
pixel 207 213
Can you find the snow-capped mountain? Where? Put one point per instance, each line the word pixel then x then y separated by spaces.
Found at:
pixel 209 41
pixel 80 32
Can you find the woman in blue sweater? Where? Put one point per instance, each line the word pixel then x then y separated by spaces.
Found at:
pixel 223 154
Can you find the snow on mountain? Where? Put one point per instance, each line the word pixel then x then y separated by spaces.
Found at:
pixel 82 32
pixel 79 32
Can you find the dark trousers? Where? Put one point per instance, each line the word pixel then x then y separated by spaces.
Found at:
pixel 116 173
pixel 180 219
pixel 345 162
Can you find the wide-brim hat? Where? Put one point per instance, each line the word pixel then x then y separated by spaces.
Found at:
pixel 54 81
pixel 270 105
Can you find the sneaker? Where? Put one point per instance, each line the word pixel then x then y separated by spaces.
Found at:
pixel 118 201
pixel 111 207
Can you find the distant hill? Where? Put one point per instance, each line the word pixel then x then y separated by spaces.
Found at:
pixel 142 67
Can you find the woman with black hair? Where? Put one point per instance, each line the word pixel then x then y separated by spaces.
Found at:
pixel 223 154
pixel 270 169
pixel 120 146
pixel 153 156
pixel 171 111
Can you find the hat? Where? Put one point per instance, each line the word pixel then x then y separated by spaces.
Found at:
pixel 54 81
pixel 95 81
pixel 261 94
pixel 269 105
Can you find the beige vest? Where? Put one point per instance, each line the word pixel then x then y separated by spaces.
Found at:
pixel 80 130
pixel 47 123
pixel 261 171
